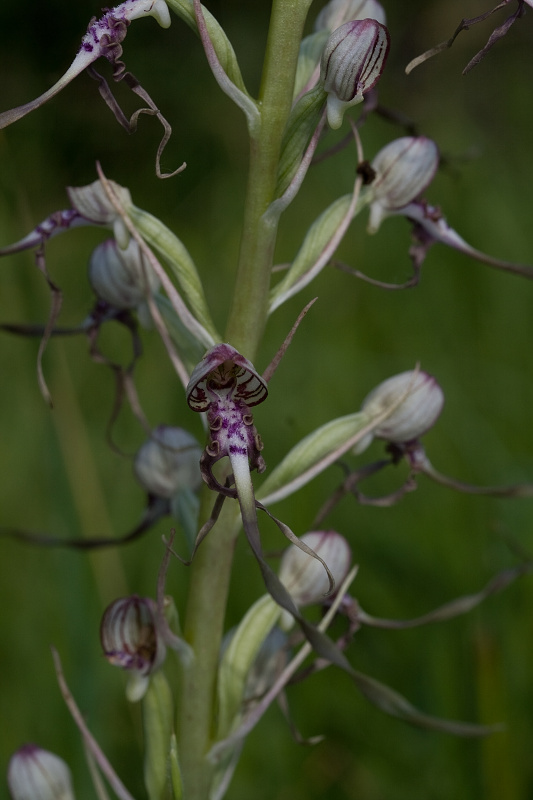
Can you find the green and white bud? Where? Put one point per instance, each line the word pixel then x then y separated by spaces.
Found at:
pixel 121 277
pixel 414 416
pixel 352 63
pixel 403 169
pixel 94 205
pixel 36 774
pixel 169 462
pixel 305 577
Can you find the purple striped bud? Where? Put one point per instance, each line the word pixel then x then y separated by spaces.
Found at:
pixel 337 12
pixel 36 774
pixel 130 640
pixel 352 62
pixel 404 168
pixel 417 412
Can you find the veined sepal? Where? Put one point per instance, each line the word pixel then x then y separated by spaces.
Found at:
pixel 222 45
pixel 303 121
pixel 158 712
pixel 238 658
pixel 319 245
pixel 177 258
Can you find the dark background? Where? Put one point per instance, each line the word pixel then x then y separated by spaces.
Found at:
pixel 467 324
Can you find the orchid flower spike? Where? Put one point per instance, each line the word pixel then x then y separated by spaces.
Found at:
pixel 352 63
pixel 103 38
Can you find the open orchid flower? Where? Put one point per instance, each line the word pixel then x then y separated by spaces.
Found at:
pixel 104 38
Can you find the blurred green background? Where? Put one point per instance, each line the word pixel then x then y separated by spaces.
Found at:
pixel 467 324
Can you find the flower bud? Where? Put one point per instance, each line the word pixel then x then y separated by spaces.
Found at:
pixel 404 168
pixel 95 206
pixel 352 62
pixel 36 774
pixel 337 12
pixel 304 576
pixel 415 414
pixel 122 278
pixel 130 640
pixel 168 462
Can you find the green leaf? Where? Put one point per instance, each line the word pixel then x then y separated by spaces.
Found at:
pixel 313 454
pixel 223 47
pixel 301 125
pixel 177 258
pixel 158 708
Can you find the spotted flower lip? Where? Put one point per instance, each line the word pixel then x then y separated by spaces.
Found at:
pixel 352 63
pixel 403 169
pixel 223 368
pixel 37 774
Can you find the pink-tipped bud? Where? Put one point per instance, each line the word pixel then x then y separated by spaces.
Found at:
pixel 123 278
pixel 304 576
pixel 130 640
pixel 352 62
pixel 169 462
pixel 337 12
pixel 417 412
pixel 36 774
pixel 404 168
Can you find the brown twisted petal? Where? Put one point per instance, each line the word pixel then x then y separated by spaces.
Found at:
pixel 222 366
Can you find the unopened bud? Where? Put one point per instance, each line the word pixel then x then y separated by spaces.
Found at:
pixel 352 62
pixel 415 414
pixel 94 205
pixel 304 576
pixel 36 774
pixel 168 462
pixel 123 278
pixel 404 168
pixel 130 640
pixel 337 12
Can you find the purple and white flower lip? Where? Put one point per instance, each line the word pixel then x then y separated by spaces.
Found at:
pixel 352 63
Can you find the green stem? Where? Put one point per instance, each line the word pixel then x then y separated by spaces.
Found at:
pixel 248 313
pixel 211 569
